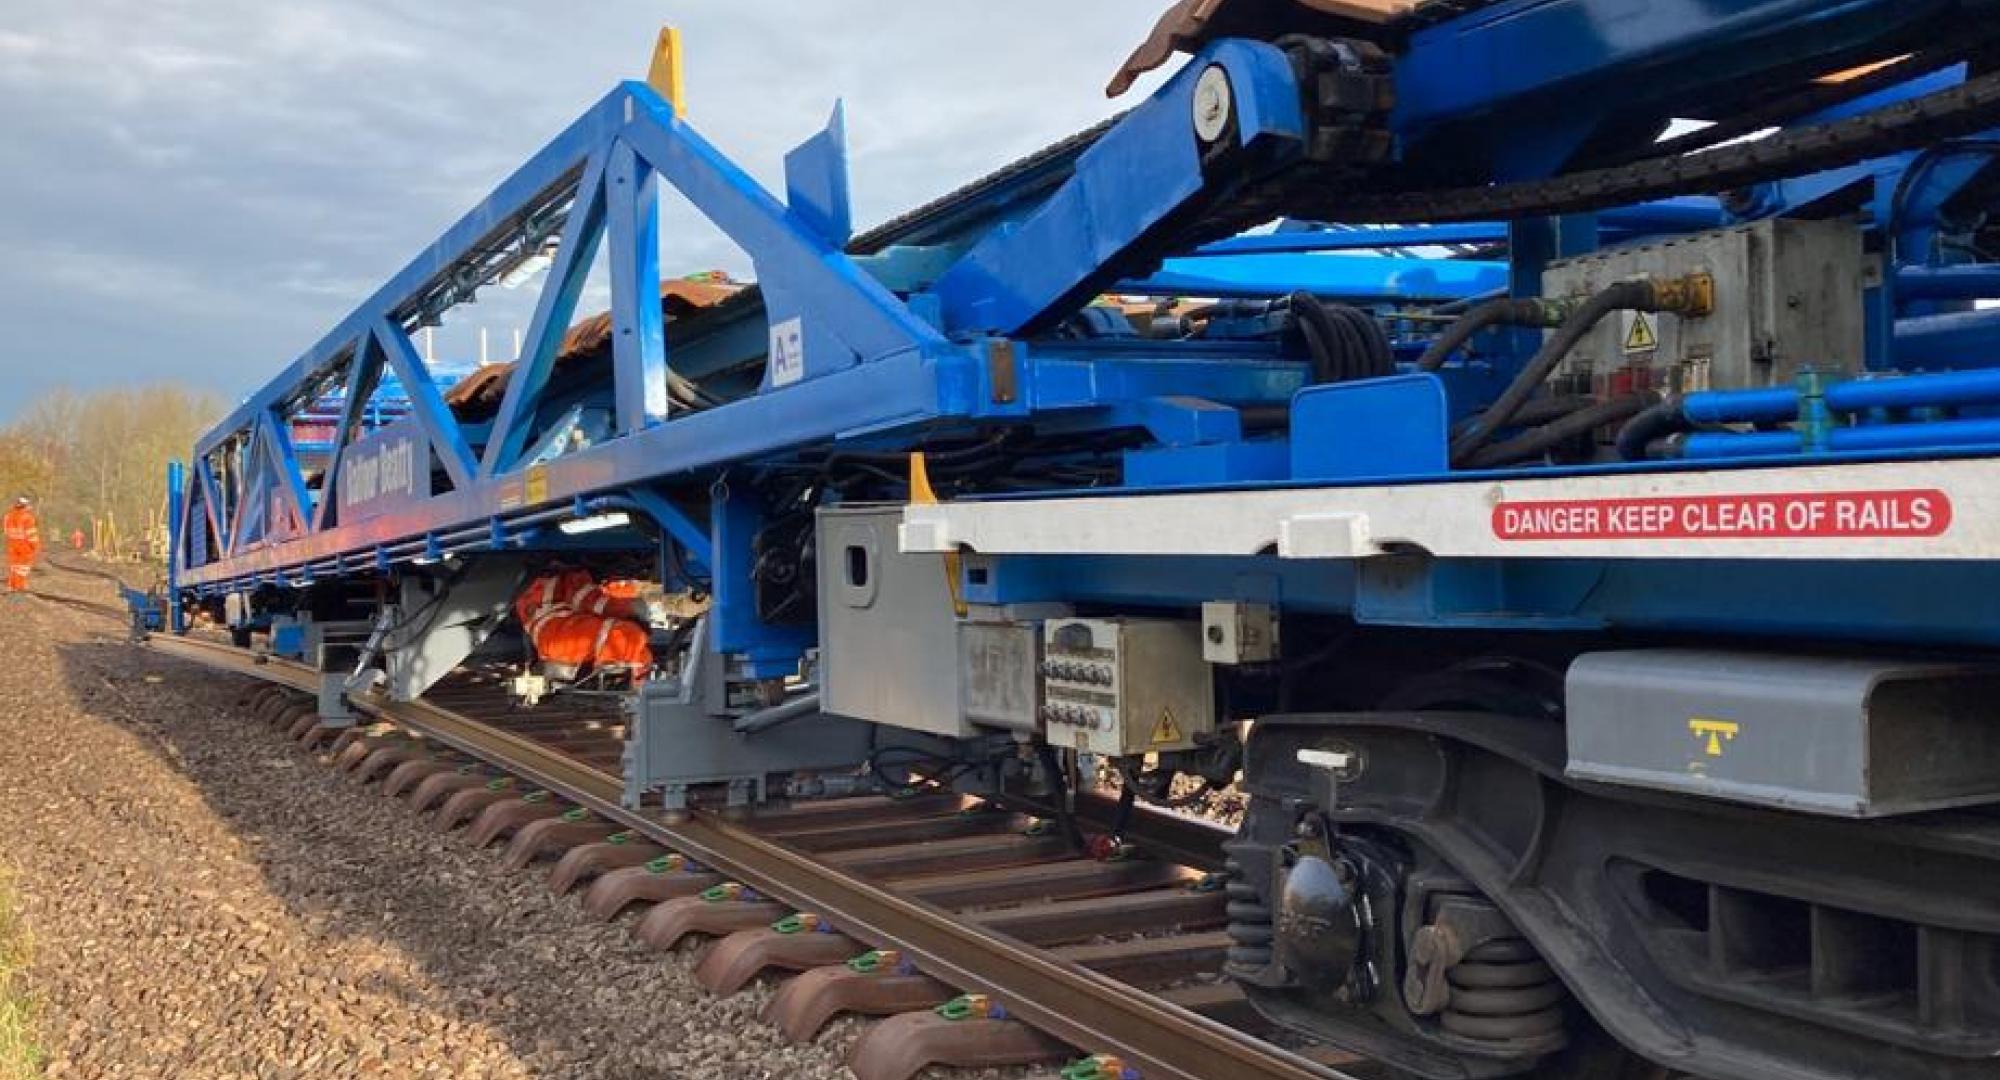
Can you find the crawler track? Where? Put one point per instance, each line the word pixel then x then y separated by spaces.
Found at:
pixel 884 907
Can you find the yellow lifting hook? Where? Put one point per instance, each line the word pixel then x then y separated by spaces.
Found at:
pixel 922 494
pixel 665 73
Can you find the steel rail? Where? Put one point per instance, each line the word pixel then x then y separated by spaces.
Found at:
pixel 1071 1003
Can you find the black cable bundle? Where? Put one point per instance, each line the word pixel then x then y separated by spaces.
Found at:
pixel 1345 343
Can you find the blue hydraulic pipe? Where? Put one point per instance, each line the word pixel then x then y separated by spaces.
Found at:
pixel 1747 444
pixel 1980 386
pixel 1305 241
pixel 1666 216
pixel 1741 406
pixel 1951 340
pixel 1975 282
pixel 1977 432
pixel 1781 403
pixel 1355 278
pixel 1872 437
pixel 1682 215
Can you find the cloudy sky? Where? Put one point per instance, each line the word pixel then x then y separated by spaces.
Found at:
pixel 196 190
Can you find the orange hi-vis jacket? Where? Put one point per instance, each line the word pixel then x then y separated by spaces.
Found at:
pixel 575 624
pixel 583 594
pixel 24 543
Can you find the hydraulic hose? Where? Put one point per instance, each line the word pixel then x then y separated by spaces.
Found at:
pixel 1658 421
pixel 1345 343
pixel 1687 296
pixel 1539 411
pixel 1533 444
pixel 1504 312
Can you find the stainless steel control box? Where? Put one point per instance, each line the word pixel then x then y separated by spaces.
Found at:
pixel 893 649
pixel 1788 296
pixel 1121 687
pixel 887 629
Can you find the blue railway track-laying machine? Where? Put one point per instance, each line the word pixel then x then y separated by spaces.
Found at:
pixel 1588 492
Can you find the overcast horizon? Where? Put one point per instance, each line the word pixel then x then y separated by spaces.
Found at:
pixel 194 191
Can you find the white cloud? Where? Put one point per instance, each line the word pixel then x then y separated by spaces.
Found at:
pixel 13 43
pixel 210 185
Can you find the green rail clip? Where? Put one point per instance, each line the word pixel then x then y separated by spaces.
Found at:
pixel 971 1007
pixel 803 923
pixel 875 960
pixel 1098 1067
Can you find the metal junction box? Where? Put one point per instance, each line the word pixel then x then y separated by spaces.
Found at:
pixel 893 649
pixel 1788 296
pixel 1235 632
pixel 1120 687
pixel 1848 737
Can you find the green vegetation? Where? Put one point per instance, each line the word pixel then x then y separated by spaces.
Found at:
pixel 20 1054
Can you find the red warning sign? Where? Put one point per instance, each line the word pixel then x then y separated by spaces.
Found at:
pixel 1777 516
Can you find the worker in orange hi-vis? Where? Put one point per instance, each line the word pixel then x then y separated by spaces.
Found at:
pixel 76 539
pixel 24 543
pixel 576 627
pixel 576 589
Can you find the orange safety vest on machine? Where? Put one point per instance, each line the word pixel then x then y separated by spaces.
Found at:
pixel 24 543
pixel 576 624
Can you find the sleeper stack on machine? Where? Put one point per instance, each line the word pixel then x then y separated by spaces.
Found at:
pixel 1568 429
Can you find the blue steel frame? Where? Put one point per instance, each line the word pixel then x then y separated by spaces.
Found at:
pixel 909 341
pixel 873 366
pixel 1522 84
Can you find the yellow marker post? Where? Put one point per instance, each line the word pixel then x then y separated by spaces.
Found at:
pixel 922 494
pixel 665 73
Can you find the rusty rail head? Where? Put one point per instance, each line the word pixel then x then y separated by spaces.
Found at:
pixel 1081 1007
pixel 1060 997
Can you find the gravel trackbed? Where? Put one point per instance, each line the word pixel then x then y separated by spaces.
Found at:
pixel 205 901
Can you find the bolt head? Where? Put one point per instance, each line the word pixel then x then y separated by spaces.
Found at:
pixel 1214 104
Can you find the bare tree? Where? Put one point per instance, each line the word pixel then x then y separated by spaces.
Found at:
pixel 94 459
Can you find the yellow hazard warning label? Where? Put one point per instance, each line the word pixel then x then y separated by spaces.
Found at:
pixel 1712 734
pixel 1166 731
pixel 1639 334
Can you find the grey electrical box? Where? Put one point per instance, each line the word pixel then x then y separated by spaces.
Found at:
pixel 887 629
pixel 1001 665
pixel 1120 687
pixel 1788 296
pixel 1235 632
pixel 893 649
pixel 1841 736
